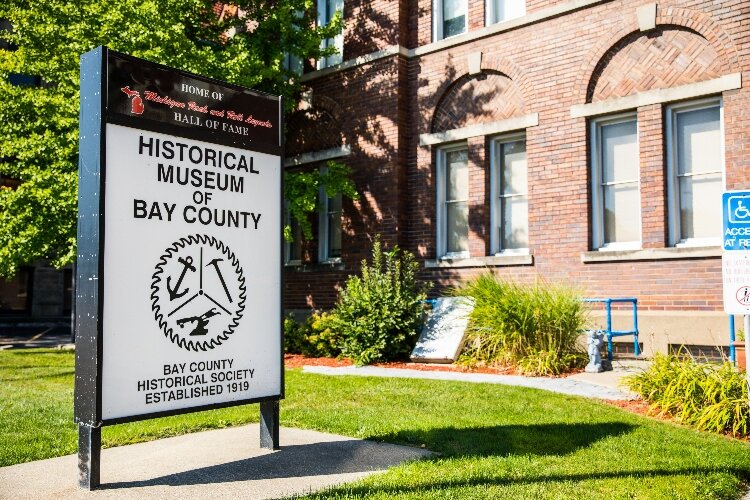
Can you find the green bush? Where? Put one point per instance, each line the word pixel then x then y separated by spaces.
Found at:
pixel 534 328
pixel 708 396
pixel 314 337
pixel 379 313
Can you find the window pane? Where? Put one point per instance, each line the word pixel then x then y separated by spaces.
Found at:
pixel 621 209
pixel 619 152
pixel 504 10
pixel 698 141
pixel 334 236
pixel 515 221
pixel 334 226
pixel 700 206
pixel 454 17
pixel 457 227
pixel 457 175
pixel 514 180
pixel 294 248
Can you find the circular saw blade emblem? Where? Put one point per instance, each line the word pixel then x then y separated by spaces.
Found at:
pixel 198 292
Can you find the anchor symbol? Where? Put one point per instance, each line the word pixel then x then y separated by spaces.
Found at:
pixel 174 292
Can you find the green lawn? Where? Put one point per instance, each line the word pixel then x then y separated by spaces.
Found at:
pixel 494 441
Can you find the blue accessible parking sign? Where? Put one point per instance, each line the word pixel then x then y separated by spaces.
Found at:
pixel 735 259
pixel 736 215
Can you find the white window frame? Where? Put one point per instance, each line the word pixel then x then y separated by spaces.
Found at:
pixel 496 215
pixel 489 9
pixel 442 216
pixel 597 203
pixel 673 201
pixel 324 17
pixel 324 228
pixel 437 20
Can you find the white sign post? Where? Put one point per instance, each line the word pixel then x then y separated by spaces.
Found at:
pixel 179 289
pixel 736 259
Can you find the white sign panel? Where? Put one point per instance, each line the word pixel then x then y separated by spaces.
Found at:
pixel 179 286
pixel 736 277
pixel 191 304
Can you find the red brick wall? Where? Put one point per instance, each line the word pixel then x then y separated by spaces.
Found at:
pixel 591 54
pixel 556 62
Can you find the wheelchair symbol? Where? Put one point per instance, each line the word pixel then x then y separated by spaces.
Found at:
pixel 738 212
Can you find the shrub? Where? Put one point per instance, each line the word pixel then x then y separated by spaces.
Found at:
pixel 314 337
pixel 532 327
pixel 379 313
pixel 708 396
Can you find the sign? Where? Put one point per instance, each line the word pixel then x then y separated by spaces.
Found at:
pixel 443 335
pixel 736 216
pixel 736 255
pixel 180 252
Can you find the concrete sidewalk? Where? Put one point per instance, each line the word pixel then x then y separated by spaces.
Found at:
pixel 605 385
pixel 217 464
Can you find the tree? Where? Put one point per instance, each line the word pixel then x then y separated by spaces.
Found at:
pixel 39 124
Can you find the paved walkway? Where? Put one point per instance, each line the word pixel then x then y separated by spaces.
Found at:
pixel 40 335
pixel 605 385
pixel 217 464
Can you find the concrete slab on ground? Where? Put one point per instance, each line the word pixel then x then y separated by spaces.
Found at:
pixel 562 385
pixel 217 464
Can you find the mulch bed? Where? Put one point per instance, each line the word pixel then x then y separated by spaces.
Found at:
pixel 298 361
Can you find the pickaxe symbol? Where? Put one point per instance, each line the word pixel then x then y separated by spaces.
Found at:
pixel 174 293
pixel 215 263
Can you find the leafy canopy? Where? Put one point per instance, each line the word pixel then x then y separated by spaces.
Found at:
pixel 39 124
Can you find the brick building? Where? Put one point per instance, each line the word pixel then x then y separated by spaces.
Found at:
pixel 577 140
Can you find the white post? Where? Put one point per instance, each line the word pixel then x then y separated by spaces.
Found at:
pixel 746 328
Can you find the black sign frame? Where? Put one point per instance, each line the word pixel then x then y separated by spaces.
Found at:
pixel 97 109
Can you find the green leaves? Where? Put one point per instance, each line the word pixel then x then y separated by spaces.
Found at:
pixel 708 396
pixel 379 313
pixel 39 125
pixel 301 190
pixel 532 327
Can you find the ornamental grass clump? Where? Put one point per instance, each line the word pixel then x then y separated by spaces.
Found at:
pixel 707 396
pixel 378 314
pixel 533 327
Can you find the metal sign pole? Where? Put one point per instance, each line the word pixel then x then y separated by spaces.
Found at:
pixel 747 352
pixel 269 425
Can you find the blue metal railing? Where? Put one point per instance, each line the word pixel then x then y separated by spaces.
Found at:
pixel 618 333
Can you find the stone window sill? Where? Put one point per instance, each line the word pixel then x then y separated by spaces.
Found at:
pixel 491 261
pixel 651 254
pixel 313 267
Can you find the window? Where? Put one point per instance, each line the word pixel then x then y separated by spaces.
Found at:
pixel 449 17
pixel 453 202
pixel 293 63
pixel 326 10
pixel 695 170
pixel 293 249
pixel 616 220
pixel 329 233
pixel 509 192
pixel 504 10
pixel 17 79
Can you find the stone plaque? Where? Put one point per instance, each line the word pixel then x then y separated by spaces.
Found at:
pixel 443 335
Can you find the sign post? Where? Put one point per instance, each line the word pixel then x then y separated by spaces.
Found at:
pixel 179 272
pixel 736 259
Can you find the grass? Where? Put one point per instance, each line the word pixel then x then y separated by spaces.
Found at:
pixel 494 441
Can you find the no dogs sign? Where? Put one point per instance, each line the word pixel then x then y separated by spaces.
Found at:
pixel 179 242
